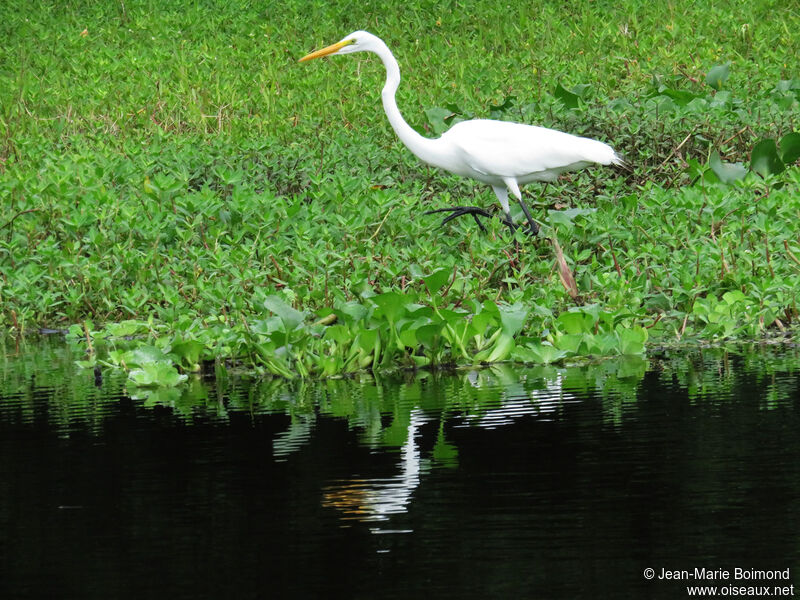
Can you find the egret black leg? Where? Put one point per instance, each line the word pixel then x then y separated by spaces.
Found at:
pixel 534 229
pixel 478 222
pixel 509 222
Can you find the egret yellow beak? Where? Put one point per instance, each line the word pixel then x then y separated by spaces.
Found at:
pixel 326 51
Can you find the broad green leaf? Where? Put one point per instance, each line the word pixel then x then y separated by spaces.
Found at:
pixel 353 310
pixel 366 339
pixel 144 354
pixel 75 331
pixel 764 159
pixel 188 351
pixel 566 217
pixel 733 297
pixel 421 361
pixel 338 333
pixel 290 317
pixel 601 344
pixel 496 111
pixel 430 335
pixel 513 318
pixel 581 89
pixel 571 342
pixel 727 172
pixel 679 97
pixel 156 375
pixel 575 322
pixel 790 147
pixel 408 337
pixel 569 99
pixel 538 353
pixel 436 118
pixel 391 305
pixel 632 341
pixel 126 328
pixel 436 280
pixel 718 75
pixel 501 349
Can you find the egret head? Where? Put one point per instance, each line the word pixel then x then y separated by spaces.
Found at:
pixel 358 41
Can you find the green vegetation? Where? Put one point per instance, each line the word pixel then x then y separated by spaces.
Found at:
pixel 172 175
pixel 41 383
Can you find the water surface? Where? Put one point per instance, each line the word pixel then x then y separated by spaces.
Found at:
pixel 542 482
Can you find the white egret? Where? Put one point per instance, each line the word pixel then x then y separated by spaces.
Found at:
pixel 505 155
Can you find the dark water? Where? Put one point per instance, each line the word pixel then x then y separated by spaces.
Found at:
pixel 501 483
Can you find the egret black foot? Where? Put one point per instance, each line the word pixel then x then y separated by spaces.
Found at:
pixel 460 211
pixel 532 229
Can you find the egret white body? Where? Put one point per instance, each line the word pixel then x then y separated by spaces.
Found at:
pixel 505 155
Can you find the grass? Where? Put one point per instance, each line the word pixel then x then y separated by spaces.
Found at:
pixel 172 173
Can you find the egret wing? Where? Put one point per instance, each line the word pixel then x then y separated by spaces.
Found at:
pixel 502 149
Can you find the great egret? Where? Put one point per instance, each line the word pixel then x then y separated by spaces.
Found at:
pixel 504 155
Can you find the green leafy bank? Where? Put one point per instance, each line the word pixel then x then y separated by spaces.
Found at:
pixel 181 194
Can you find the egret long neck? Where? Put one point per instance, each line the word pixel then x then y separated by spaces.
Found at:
pixel 422 147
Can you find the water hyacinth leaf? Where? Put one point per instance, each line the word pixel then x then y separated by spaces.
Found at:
pixel 764 159
pixel 569 99
pixel 437 118
pixel 581 89
pixel 156 375
pixel 367 339
pixel 570 342
pixel 436 280
pixel 75 331
pixel 632 340
pixel 391 305
pixel 353 310
pixel 567 216
pixel 408 336
pixel 790 147
pixel 483 319
pixel 496 111
pixel 575 322
pixel 538 353
pixel 266 326
pixel 727 172
pixel 188 351
pixel 430 335
pixel 602 344
pixel 337 333
pixel 513 318
pixel 143 355
pixel 126 328
pixel 290 317
pixel 501 349
pixel 733 297
pixel 679 97
pixel 721 99
pixel 718 75
pixel 421 361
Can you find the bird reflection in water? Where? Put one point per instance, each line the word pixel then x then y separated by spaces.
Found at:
pixel 372 500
